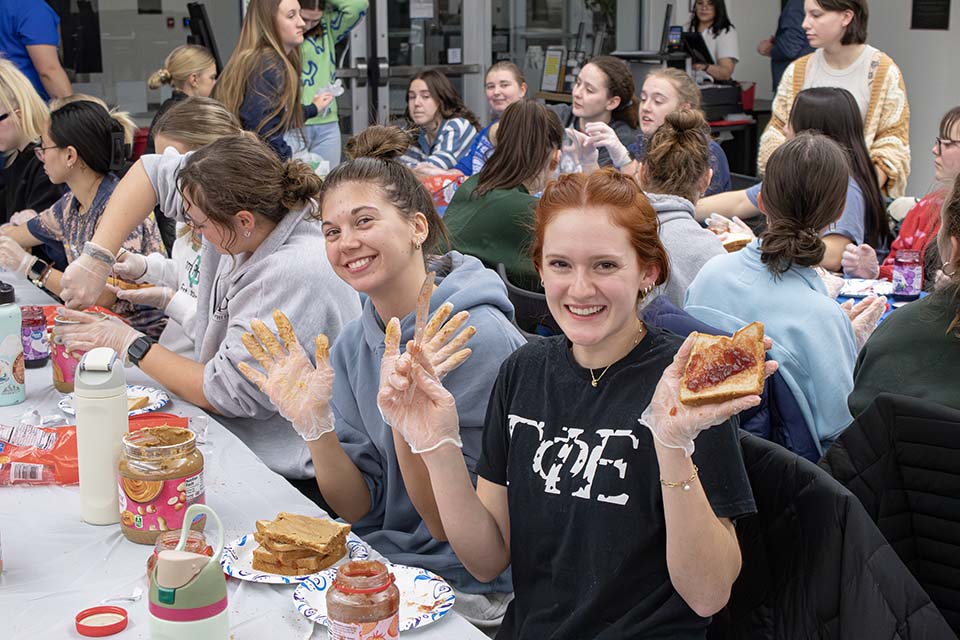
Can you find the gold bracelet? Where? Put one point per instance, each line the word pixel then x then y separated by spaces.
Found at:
pixel 684 484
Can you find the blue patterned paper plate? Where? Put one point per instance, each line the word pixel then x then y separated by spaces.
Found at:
pixel 156 398
pixel 424 596
pixel 237 560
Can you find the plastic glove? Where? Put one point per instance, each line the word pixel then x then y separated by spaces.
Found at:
pixel 322 100
pixel 411 398
pixel 579 149
pixel 23 216
pixel 864 316
pixel 833 282
pixel 860 261
pixel 13 257
pixel 84 278
pixel 93 330
pixel 676 425
pixel 130 266
pixel 299 391
pixel 158 297
pixel 601 135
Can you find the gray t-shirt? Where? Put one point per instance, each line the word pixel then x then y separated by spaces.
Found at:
pixel 851 222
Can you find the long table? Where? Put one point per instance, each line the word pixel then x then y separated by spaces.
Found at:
pixel 55 565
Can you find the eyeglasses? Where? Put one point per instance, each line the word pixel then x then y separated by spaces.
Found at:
pixel 41 150
pixel 944 142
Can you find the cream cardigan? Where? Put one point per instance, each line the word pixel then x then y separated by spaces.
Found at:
pixel 886 127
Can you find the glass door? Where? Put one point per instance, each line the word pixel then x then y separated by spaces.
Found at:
pixel 402 38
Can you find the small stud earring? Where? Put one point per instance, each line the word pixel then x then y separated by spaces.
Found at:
pixel 417 245
pixel 246 234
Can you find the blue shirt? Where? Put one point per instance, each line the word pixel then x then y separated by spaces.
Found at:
pixel 476 156
pixel 719 183
pixel 25 23
pixel 812 337
pixel 851 222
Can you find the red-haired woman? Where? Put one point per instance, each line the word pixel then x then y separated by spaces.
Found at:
pixel 587 482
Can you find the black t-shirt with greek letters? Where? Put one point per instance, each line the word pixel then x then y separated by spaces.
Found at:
pixel 587 533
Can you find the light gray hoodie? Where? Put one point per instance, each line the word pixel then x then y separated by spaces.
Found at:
pixel 393 526
pixel 689 246
pixel 288 271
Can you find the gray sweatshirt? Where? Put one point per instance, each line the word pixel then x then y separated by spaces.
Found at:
pixel 393 526
pixel 689 246
pixel 288 271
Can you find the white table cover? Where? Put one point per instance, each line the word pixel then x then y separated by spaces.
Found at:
pixel 55 565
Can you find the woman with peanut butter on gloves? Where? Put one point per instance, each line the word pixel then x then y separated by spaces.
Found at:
pixel 381 230
pixel 612 502
pixel 259 253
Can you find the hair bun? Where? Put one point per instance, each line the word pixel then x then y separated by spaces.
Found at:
pixel 380 142
pixel 159 77
pixel 683 120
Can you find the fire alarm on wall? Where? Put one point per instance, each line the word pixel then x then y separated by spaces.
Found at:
pixel 171 23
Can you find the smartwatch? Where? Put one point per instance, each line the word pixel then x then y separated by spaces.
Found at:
pixel 37 270
pixel 139 348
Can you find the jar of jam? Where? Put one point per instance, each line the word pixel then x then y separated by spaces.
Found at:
pixel 196 543
pixel 363 603
pixel 36 348
pixel 65 362
pixel 907 274
pixel 160 474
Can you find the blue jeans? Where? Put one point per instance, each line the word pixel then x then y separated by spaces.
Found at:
pixel 321 139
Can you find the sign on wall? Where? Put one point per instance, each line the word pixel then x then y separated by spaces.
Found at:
pixel 930 14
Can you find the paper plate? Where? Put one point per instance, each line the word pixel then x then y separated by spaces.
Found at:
pixel 861 288
pixel 237 560
pixel 424 596
pixel 157 399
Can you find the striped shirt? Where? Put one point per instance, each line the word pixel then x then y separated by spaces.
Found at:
pixel 452 141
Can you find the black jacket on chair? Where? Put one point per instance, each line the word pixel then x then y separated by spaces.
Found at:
pixel 901 458
pixel 815 565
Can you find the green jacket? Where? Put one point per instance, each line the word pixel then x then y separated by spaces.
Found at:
pixel 496 228
pixel 912 354
pixel 318 53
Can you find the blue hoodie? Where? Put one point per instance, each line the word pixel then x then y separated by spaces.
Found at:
pixel 393 526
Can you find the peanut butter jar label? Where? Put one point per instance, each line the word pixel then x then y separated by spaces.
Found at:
pixel 386 629
pixel 158 505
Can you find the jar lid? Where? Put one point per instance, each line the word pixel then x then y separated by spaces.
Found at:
pixel 98 622
pixel 7 295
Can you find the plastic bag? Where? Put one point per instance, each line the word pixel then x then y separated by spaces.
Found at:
pixel 442 186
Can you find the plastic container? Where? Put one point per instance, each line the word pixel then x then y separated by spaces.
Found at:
pixel 363 603
pixel 36 347
pixel 907 275
pixel 64 362
pixel 196 543
pixel 12 388
pixel 101 404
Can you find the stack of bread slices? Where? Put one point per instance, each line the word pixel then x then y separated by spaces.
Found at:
pixel 294 545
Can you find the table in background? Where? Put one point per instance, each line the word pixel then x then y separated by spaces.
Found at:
pixel 55 565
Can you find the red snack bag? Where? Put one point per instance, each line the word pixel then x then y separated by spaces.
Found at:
pixel 442 186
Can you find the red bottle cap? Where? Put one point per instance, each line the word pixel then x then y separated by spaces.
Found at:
pixel 98 622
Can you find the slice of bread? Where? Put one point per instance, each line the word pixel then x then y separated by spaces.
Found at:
pixel 722 368
pixel 302 566
pixel 319 534
pixel 736 241
pixel 137 402
pixel 303 558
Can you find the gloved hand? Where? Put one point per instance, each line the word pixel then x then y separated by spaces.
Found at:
pixel 601 135
pixel 158 297
pixel 85 277
pixel 13 257
pixel 130 266
pixel 299 391
pixel 93 330
pixel 579 149
pixel 864 316
pixel 411 398
pixel 860 261
pixel 23 216
pixel 833 283
pixel 677 425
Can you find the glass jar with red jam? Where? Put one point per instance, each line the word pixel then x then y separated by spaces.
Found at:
pixel 363 603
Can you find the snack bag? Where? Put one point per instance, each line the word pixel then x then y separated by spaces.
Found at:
pixel 442 186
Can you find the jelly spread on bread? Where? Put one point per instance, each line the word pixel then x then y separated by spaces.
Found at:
pixel 715 364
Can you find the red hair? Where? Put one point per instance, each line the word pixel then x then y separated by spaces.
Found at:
pixel 624 202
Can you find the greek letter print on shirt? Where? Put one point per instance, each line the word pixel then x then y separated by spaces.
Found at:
pixel 588 539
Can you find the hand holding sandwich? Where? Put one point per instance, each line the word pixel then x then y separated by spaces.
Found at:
pixel 864 316
pixel 675 424
pixel 299 391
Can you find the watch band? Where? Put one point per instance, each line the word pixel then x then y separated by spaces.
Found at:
pixel 139 348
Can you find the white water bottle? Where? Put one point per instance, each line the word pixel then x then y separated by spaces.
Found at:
pixel 100 398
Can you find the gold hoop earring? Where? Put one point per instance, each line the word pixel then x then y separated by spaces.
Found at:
pixel 943 269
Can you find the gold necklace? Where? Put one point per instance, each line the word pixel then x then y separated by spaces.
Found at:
pixel 595 380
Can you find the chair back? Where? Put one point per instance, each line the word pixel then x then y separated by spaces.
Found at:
pixel 530 310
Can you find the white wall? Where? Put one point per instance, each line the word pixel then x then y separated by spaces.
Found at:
pixel 928 61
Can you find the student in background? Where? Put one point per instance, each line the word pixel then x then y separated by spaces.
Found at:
pixel 710 19
pixel 261 82
pixel 491 214
pixel 788 43
pixel 29 38
pixel 191 71
pixel 445 127
pixel 674 174
pixel 327 22
pixel 837 29
pixel 504 84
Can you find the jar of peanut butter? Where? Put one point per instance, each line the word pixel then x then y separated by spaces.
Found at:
pixel 159 476
pixel 363 603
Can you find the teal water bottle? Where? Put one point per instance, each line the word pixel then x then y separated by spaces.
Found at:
pixel 12 388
